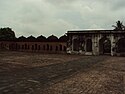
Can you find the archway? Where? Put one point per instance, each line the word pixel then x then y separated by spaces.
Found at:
pixel 44 47
pixel 60 47
pixel 89 45
pixel 25 46
pixel 56 48
pixel 75 44
pixel 64 48
pixel 121 45
pixel 51 48
pixel 38 47
pixel 47 47
pixel 32 47
pixel 104 46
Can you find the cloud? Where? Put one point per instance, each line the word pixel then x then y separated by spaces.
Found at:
pixel 36 17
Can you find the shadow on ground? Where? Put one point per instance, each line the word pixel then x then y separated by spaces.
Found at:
pixel 30 80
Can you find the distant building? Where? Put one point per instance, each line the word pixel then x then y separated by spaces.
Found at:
pixel 40 44
pixel 98 42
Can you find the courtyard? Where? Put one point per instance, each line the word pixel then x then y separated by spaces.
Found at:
pixel 37 73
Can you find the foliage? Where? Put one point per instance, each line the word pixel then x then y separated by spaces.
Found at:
pixel 119 26
pixel 6 34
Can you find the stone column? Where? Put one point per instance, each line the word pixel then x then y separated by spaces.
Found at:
pixel 112 45
pixel 96 45
pixel 72 43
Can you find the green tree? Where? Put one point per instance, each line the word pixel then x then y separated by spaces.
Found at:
pixel 7 34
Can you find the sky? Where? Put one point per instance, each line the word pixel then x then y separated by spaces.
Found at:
pixel 47 17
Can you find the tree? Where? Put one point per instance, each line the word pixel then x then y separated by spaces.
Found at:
pixel 119 26
pixel 7 34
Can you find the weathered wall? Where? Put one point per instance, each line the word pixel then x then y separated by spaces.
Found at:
pixel 43 47
pixel 95 43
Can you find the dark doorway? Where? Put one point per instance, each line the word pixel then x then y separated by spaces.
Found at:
pixel 47 47
pixel 64 48
pixel 56 48
pixel 60 47
pixel 89 45
pixel 105 46
pixel 121 45
pixel 75 45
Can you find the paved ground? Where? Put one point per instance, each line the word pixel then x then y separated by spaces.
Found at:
pixel 32 73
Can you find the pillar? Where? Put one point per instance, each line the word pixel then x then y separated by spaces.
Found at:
pixel 113 51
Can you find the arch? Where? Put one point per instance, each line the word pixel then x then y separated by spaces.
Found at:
pixel 38 47
pixel 35 46
pixel 104 46
pixel 64 48
pixel 47 47
pixel 56 48
pixel 32 47
pixel 60 47
pixel 16 46
pixel 25 46
pixel 19 47
pixel 9 46
pixel 28 47
pixel 89 45
pixel 51 48
pixel 44 48
pixel 75 45
pixel 121 45
pixel 22 46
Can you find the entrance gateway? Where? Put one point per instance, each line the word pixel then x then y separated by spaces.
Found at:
pixel 97 42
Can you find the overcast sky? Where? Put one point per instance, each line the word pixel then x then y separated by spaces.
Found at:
pixel 47 17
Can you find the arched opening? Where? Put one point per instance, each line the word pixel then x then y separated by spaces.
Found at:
pixel 32 47
pixel 44 47
pixel 104 46
pixel 47 46
pixel 12 46
pixel 25 46
pixel 60 46
pixel 64 48
pixel 75 45
pixel 56 48
pixel 2 46
pixel 35 46
pixel 19 47
pixel 51 48
pixel 16 47
pixel 39 47
pixel 121 45
pixel 28 47
pixel 22 46
pixel 89 45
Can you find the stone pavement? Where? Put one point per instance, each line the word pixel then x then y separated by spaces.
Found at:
pixel 86 75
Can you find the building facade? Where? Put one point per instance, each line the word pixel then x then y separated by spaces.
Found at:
pixel 41 44
pixel 96 42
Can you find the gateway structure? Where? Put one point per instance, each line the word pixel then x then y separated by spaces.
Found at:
pixel 97 42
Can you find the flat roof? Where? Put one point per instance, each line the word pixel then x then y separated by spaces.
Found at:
pixel 94 31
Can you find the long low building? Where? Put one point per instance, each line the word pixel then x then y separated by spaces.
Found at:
pixel 40 44
pixel 96 42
